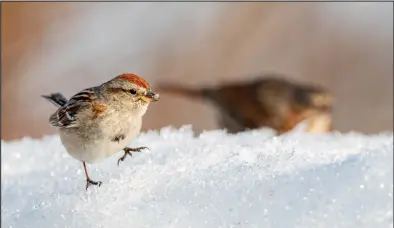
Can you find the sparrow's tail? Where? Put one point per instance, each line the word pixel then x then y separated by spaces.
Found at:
pixel 182 91
pixel 56 98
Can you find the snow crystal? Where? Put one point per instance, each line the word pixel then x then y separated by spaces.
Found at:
pixel 215 179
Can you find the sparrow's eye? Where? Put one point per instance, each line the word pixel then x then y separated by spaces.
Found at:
pixel 133 91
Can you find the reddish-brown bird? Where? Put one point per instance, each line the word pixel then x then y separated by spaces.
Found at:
pixel 272 102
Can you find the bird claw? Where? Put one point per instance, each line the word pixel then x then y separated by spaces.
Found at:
pixel 90 182
pixel 121 159
pixel 128 150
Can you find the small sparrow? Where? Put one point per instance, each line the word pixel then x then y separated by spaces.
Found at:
pixel 100 121
pixel 265 102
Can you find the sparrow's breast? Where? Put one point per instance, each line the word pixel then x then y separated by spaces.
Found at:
pixel 99 140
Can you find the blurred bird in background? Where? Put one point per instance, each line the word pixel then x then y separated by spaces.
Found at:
pixel 270 101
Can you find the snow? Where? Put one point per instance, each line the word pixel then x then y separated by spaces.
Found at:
pixel 251 179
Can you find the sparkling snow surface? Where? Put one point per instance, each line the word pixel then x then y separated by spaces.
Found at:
pixel 251 179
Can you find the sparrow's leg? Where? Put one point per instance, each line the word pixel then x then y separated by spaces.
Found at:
pixel 88 180
pixel 128 150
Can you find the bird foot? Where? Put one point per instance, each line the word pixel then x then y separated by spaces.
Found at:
pixel 128 151
pixel 90 182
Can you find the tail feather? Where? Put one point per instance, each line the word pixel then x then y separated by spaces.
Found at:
pixel 182 91
pixel 56 98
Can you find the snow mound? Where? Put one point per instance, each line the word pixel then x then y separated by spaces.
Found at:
pixel 251 179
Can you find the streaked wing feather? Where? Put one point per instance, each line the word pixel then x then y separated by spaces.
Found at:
pixel 244 113
pixel 66 117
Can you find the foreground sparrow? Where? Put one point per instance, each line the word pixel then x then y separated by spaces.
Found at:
pixel 100 121
pixel 266 102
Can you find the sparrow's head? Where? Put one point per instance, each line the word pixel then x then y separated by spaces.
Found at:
pixel 131 90
pixel 313 97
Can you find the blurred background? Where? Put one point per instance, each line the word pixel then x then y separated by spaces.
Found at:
pixel 65 47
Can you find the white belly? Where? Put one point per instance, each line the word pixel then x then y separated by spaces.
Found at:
pixel 320 123
pixel 99 148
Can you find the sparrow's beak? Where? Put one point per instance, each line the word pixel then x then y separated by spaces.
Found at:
pixel 150 96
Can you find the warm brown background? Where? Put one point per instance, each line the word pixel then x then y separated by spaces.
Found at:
pixel 48 47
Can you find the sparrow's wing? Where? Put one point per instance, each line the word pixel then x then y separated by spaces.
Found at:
pixel 238 106
pixel 67 116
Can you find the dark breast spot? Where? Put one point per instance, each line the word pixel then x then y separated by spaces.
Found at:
pixel 118 138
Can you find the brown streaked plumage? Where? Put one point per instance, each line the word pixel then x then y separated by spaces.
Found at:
pixel 266 102
pixel 100 121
